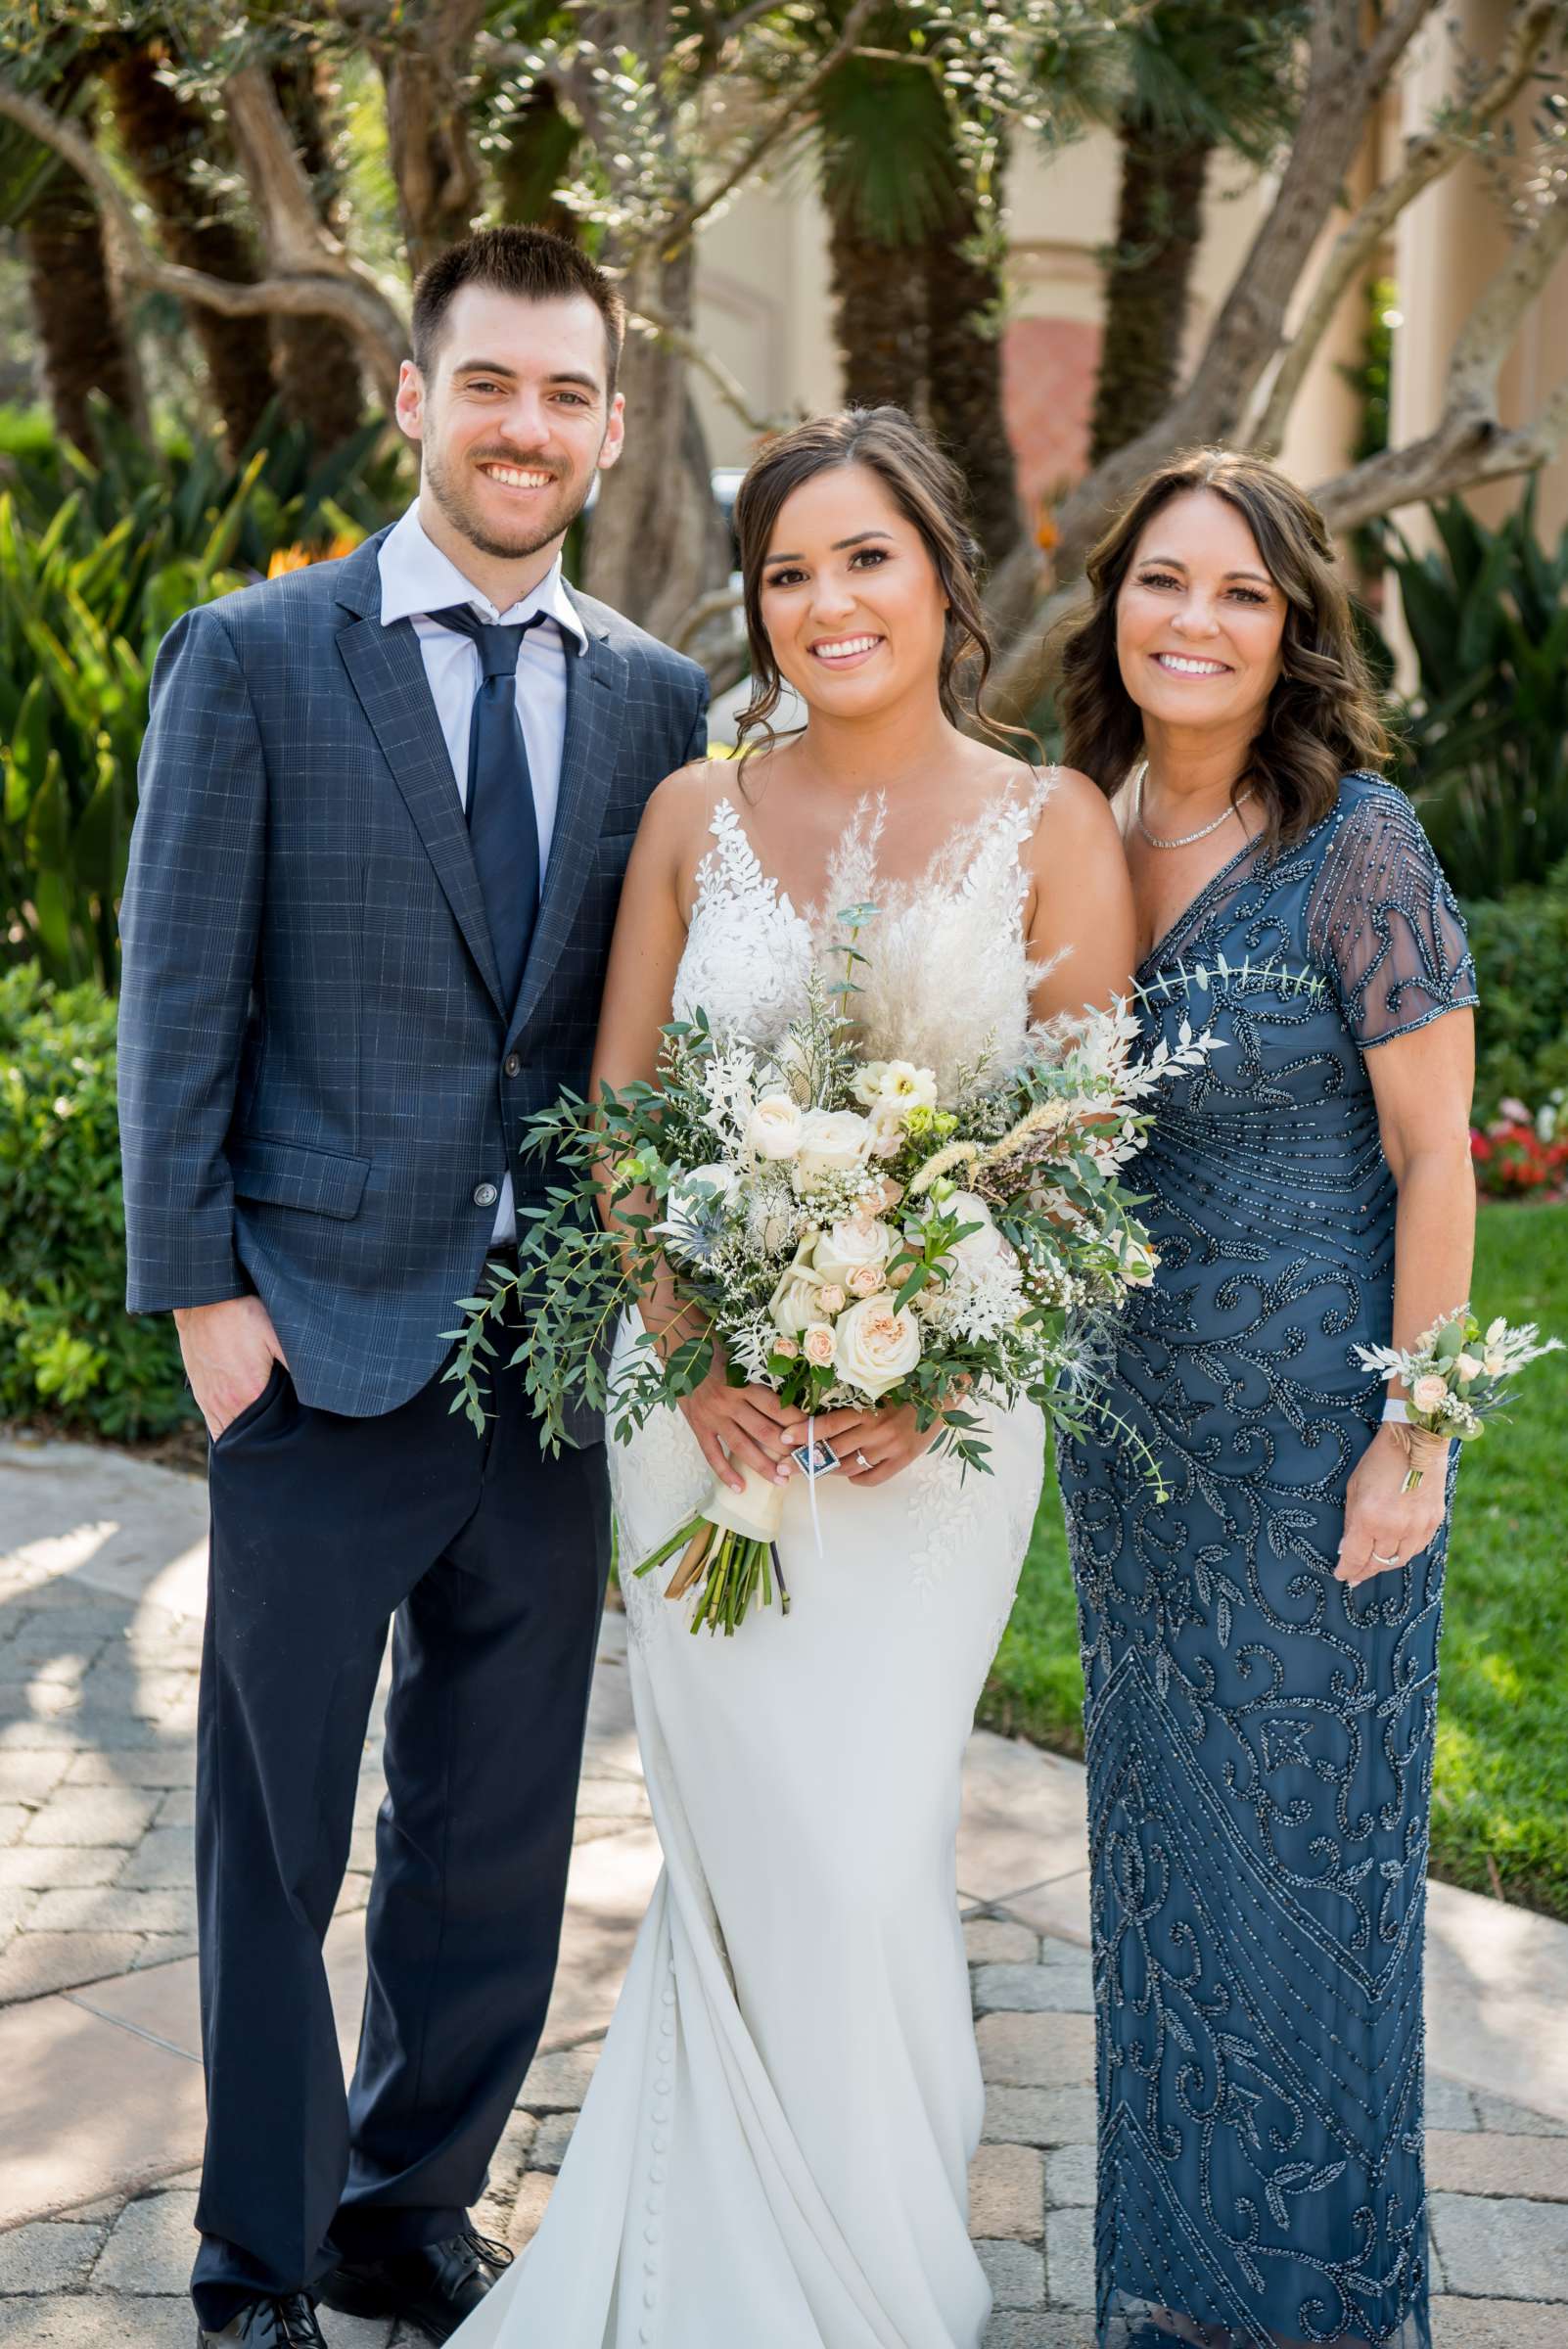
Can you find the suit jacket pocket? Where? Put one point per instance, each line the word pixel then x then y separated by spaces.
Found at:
pixel 323 1182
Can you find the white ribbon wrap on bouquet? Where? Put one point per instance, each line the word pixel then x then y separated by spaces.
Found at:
pixel 757 1512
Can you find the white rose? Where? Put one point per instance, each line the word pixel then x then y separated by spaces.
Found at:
pixel 784 1346
pixel 793 1304
pixel 818 1345
pixel 877 1346
pixel 865 1280
pixel 773 1129
pixel 1431 1393
pixel 833 1141
pixel 855 1241
pixel 1468 1368
pixel 831 1298
pixel 976 1249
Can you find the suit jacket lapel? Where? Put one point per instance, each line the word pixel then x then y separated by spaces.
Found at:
pixel 388 670
pixel 596 686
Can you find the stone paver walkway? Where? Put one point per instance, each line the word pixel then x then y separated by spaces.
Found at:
pixel 102 1573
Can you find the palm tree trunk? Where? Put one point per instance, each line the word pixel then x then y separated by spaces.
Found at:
pixel 541 141
pixel 316 364
pixel 878 316
pixel 1148 282
pixel 83 337
pixel 964 293
pixel 163 136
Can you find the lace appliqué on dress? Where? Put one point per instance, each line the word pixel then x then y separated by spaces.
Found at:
pixel 948 974
pixel 748 953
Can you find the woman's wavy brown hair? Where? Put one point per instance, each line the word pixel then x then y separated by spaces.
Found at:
pixel 1321 719
pixel 928 489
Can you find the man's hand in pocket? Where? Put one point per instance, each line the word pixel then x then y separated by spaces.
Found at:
pixel 229 1351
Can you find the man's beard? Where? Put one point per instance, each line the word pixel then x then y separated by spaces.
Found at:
pixel 443 488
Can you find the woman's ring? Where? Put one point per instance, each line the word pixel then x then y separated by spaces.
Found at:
pixel 1391 1559
pixel 865 1462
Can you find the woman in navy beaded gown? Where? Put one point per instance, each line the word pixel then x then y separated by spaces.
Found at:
pixel 1260 1643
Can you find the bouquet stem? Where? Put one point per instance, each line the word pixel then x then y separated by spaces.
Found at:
pixel 731 1546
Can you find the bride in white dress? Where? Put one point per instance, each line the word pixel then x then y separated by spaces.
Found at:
pixel 775 2147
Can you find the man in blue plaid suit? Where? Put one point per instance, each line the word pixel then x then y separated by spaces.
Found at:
pixel 387 804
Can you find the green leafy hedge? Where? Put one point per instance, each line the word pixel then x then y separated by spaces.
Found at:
pixel 97 562
pixel 67 1346
pixel 1484 744
pixel 1520 943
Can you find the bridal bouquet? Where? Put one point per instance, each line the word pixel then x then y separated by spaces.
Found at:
pixel 1457 1374
pixel 845 1236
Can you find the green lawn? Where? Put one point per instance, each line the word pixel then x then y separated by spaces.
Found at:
pixel 1501 1799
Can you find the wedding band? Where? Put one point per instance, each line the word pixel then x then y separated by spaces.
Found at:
pixel 1391 1559
pixel 865 1462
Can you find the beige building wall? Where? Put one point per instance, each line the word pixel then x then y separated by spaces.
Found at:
pixel 1447 244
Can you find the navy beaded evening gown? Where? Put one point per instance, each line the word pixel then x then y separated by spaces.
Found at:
pixel 1258 1736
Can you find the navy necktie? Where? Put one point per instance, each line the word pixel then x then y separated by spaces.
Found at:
pixel 502 823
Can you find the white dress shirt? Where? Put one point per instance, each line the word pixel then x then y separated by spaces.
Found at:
pixel 418 578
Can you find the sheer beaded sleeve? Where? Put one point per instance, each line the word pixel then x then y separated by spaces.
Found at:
pixel 1384 922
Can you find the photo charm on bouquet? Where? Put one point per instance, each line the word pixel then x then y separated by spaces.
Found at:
pixel 846 1237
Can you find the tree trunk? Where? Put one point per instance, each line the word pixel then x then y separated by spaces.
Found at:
pixel 878 316
pixel 965 391
pixel 1148 281
pixel 315 363
pixel 83 337
pixel 657 540
pixel 540 142
pixel 439 190
pixel 163 137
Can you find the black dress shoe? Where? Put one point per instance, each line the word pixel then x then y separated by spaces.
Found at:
pixel 434 2287
pixel 288 2324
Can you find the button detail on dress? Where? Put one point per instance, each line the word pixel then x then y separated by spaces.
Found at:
pixel 512 1064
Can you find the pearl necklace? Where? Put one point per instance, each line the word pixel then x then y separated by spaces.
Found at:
pixel 1188 838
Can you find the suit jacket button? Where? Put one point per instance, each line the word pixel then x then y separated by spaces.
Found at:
pixel 512 1064
pixel 486 1194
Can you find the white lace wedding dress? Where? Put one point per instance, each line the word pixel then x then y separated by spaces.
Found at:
pixel 774 2150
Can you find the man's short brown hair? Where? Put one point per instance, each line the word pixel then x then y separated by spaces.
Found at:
pixel 530 262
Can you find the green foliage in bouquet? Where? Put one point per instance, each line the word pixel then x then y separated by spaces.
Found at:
pixel 1485 749
pixel 67 1346
pixel 846 1237
pixel 97 562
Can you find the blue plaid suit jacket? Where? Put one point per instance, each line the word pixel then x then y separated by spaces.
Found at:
pixel 312 1042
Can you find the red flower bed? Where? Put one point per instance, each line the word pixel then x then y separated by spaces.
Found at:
pixel 1512 1161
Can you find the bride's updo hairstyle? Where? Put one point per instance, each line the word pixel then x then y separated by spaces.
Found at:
pixel 1321 718
pixel 928 491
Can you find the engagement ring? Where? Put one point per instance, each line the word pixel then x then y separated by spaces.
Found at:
pixel 1391 1559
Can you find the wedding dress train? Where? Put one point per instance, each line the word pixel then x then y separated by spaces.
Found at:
pixel 774 2150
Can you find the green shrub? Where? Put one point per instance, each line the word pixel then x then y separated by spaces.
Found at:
pixel 1484 747
pixel 1520 943
pixel 67 1346
pixel 97 562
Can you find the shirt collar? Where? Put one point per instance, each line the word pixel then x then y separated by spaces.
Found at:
pixel 417 576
